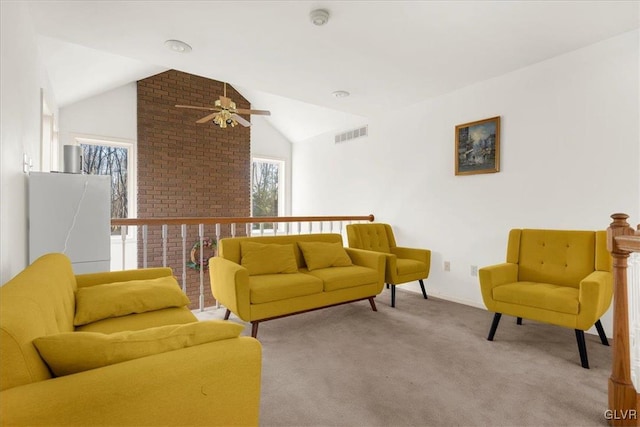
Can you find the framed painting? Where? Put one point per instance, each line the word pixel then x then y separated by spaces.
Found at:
pixel 478 147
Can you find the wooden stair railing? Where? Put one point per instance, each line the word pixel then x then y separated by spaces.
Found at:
pixel 624 406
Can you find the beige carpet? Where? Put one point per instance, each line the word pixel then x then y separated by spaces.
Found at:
pixel 426 363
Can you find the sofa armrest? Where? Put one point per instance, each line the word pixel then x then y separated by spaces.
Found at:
pixel 496 275
pixel 230 286
pixel 366 258
pixel 422 255
pixel 216 383
pixel 595 295
pixel 93 279
pixel 371 259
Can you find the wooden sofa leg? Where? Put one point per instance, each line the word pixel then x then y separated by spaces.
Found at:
pixel 373 304
pixel 227 314
pixel 582 348
pixel 519 321
pixel 494 325
pixel 424 292
pixel 393 295
pixel 601 334
pixel 254 329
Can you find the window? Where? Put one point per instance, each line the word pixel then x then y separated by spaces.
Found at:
pixel 267 189
pixel 117 159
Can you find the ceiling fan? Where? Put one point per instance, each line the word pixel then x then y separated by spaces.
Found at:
pixel 225 112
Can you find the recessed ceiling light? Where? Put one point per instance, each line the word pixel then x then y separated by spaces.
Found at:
pixel 319 16
pixel 340 94
pixel 178 46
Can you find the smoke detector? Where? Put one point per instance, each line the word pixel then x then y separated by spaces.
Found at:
pixel 319 16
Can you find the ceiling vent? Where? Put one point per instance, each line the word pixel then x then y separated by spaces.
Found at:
pixel 352 134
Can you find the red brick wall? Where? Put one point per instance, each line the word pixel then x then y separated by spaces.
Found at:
pixel 187 169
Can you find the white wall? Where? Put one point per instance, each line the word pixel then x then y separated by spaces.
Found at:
pixel 570 155
pixel 112 114
pixel 268 142
pixel 22 76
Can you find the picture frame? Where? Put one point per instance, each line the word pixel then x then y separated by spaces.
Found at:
pixel 477 147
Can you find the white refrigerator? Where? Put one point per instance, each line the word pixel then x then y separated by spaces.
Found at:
pixel 71 214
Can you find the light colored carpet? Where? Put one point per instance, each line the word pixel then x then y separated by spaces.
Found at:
pixel 425 363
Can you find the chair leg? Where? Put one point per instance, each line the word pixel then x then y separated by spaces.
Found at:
pixel 387 286
pixel 603 336
pixel 393 295
pixel 494 325
pixel 424 293
pixel 254 329
pixel 373 304
pixel 227 314
pixel 582 348
pixel 519 321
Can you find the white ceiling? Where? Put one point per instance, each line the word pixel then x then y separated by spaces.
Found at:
pixel 385 53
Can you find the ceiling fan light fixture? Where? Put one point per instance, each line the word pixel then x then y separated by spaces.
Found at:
pixel 319 16
pixel 224 119
pixel 178 46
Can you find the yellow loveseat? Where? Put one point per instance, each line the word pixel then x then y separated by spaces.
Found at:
pixel 155 367
pixel 561 277
pixel 263 278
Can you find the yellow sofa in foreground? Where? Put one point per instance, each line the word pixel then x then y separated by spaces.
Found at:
pixel 71 356
pixel 561 277
pixel 264 278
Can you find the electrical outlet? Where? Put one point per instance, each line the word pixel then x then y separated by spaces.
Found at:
pixel 474 270
pixel 447 266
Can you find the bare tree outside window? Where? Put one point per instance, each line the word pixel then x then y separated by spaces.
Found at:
pixel 109 160
pixel 264 189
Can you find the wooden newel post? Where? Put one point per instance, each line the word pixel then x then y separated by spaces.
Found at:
pixel 622 394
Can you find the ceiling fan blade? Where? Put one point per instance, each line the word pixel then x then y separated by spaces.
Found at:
pixel 241 120
pixel 256 112
pixel 198 108
pixel 207 118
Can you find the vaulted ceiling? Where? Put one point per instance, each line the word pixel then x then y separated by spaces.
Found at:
pixel 387 54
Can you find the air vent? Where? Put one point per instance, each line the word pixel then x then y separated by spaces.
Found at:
pixel 352 134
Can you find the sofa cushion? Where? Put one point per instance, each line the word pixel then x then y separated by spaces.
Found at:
pixel 560 257
pixel 409 266
pixel 335 278
pixel 262 258
pixel 139 321
pixel 276 287
pixel 563 299
pixel 71 352
pixel 122 298
pixel 322 255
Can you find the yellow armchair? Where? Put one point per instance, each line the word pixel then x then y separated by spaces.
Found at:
pixel 403 265
pixel 553 276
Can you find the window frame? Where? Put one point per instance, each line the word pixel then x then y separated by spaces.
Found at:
pixel 282 164
pixel 132 172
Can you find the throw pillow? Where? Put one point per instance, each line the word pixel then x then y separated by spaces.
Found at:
pixel 322 255
pixel 121 298
pixel 261 258
pixel 71 352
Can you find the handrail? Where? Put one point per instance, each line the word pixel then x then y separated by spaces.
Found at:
pixel 232 220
